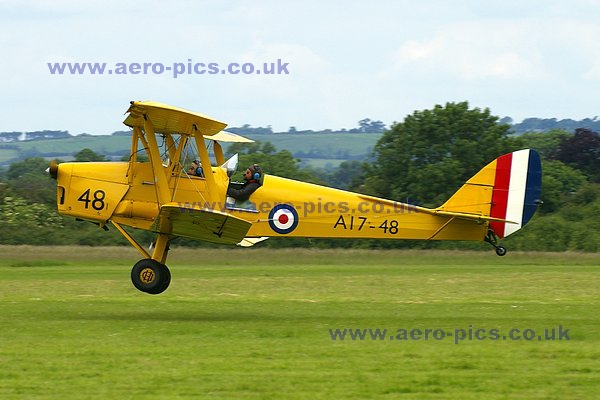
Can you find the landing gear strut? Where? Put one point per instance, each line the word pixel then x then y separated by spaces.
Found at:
pixel 492 239
pixel 150 275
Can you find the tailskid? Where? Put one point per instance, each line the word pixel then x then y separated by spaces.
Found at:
pixel 492 239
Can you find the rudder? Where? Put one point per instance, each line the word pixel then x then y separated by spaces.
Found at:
pixel 517 189
pixel 508 189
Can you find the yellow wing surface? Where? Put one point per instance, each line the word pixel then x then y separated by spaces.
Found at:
pixel 202 224
pixel 173 120
pixel 229 137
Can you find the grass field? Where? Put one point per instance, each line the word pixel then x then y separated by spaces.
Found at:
pixel 325 163
pixel 7 155
pixel 254 324
pixel 69 146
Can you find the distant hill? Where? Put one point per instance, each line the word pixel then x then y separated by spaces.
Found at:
pixel 319 148
pixel 548 124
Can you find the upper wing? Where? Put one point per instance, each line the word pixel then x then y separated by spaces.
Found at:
pixel 169 119
pixel 201 224
pixel 229 137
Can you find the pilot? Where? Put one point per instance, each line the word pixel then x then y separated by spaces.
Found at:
pixel 195 169
pixel 252 178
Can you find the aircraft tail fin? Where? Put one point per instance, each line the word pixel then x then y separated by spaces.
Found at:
pixel 506 192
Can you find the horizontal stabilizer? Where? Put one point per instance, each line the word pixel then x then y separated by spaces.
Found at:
pixel 471 216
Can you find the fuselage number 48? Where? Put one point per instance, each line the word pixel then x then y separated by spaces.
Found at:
pixel 96 200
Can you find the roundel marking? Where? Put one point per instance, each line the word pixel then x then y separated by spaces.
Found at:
pixel 283 219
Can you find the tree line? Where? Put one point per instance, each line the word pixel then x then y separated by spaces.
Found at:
pixel 365 125
pixel 423 160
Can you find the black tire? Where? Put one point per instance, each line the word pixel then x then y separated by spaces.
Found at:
pixel 150 276
pixel 501 251
pixel 165 280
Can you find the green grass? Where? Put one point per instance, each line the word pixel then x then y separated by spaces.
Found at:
pixel 325 163
pixel 7 155
pixel 69 146
pixel 254 324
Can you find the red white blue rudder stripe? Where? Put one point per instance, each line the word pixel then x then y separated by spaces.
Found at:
pixel 517 189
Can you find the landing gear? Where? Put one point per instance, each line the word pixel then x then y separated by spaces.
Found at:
pixel 150 276
pixel 492 239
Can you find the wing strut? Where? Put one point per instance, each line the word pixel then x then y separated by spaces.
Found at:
pixel 162 186
pixel 206 166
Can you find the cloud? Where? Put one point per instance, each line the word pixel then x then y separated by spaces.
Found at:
pixel 347 60
pixel 298 71
pixel 301 58
pixel 474 51
pixel 516 50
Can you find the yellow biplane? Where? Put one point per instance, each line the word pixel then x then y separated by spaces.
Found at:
pixel 159 195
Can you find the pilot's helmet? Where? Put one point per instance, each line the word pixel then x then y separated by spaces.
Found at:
pixel 256 171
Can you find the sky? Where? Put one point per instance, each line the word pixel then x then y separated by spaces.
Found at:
pixel 346 60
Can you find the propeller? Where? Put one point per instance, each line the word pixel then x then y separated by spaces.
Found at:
pixel 52 170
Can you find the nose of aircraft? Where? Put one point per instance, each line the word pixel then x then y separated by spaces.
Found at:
pixel 52 170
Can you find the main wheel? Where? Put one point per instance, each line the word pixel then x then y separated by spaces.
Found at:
pixel 165 280
pixel 501 250
pixel 150 276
